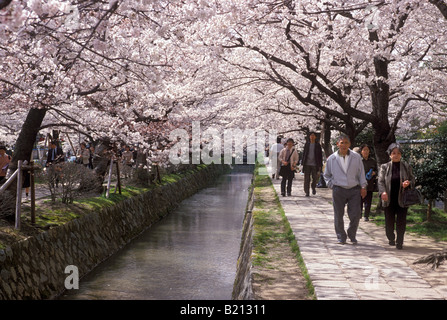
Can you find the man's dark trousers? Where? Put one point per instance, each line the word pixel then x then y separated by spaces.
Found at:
pixel 340 198
pixel 310 172
pixel 287 178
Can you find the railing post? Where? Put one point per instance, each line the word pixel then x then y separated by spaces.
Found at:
pixel 19 194
pixel 33 194
pixel 118 176
pixel 110 177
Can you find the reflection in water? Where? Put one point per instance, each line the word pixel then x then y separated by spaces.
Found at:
pixel 191 254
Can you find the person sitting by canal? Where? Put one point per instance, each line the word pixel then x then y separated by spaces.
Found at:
pixel 289 159
pixel 371 171
pixel 394 177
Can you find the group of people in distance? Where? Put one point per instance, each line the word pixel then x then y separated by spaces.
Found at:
pixel 352 176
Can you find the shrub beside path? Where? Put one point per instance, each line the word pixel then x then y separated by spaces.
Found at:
pixel 370 270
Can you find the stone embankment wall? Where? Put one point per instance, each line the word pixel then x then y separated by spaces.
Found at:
pixel 35 268
pixel 242 288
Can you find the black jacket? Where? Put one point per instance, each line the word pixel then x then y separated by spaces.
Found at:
pixel 368 165
pixel 318 154
pixel 59 157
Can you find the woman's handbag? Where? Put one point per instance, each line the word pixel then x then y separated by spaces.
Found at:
pixel 284 171
pixel 411 197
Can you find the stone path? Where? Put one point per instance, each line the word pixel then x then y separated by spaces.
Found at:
pixel 370 270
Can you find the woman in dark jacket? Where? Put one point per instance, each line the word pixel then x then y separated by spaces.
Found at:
pixel 370 166
pixel 394 177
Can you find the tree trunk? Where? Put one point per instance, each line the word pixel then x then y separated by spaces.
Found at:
pixel 326 139
pixel 441 5
pixel 351 133
pixel 382 140
pixel 380 98
pixel 429 209
pixel 27 137
pixel 4 3
pixel 24 148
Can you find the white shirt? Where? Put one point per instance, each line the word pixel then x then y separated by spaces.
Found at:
pixel 277 148
pixel 346 173
pixel 343 161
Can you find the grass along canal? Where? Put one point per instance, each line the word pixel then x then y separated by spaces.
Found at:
pixel 278 271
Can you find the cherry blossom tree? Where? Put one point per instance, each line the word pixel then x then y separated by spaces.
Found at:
pixel 132 71
pixel 106 68
pixel 358 63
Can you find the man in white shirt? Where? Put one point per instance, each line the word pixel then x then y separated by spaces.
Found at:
pixel 345 175
pixel 274 157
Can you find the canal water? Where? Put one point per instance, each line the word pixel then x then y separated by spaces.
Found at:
pixel 189 255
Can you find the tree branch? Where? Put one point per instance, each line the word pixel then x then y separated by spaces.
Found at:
pixel 441 5
pixel 4 3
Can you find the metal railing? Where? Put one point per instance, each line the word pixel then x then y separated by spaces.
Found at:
pixel 17 175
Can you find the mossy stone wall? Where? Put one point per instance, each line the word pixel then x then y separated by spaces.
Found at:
pixel 35 268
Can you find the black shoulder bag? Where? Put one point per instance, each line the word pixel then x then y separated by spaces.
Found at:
pixel 284 171
pixel 411 197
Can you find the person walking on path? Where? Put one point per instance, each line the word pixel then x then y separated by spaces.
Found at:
pixel 26 182
pixel 54 157
pixel 394 177
pixel 91 156
pixel 55 154
pixel 312 163
pixel 274 156
pixel 289 159
pixel 344 174
pixel 83 155
pixel 370 166
pixel 127 157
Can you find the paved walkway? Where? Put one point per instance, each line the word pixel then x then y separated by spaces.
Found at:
pixel 370 270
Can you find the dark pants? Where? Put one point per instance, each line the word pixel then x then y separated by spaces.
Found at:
pixel 395 215
pixel 310 172
pixel 366 203
pixel 340 198
pixel 287 176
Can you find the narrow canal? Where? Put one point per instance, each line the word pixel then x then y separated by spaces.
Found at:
pixel 190 255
